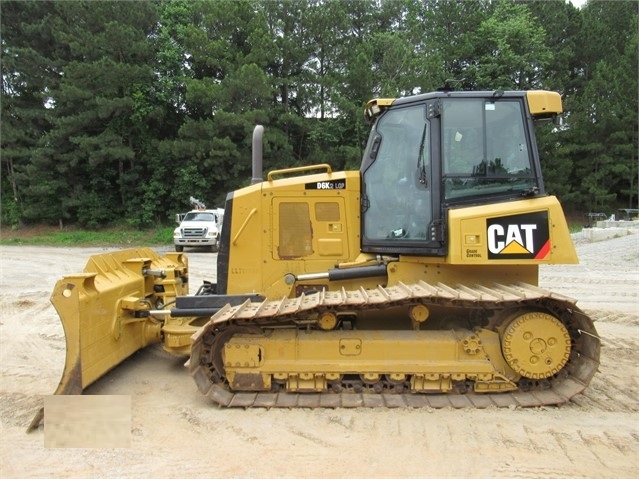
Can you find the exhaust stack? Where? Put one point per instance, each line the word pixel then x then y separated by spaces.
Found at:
pixel 258 133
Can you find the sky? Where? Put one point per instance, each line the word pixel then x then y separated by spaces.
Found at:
pixel 577 3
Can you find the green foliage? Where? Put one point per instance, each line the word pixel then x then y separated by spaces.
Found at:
pixel 9 214
pixel 119 111
pixel 114 237
pixel 510 50
pixel 601 140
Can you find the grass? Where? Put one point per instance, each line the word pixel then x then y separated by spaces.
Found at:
pixel 115 236
pixel 575 228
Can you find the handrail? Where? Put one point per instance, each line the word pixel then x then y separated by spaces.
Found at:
pixel 239 231
pixel 298 169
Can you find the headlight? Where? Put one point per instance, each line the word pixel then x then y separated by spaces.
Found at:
pixel 176 233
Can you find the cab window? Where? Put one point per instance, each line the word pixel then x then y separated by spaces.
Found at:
pixel 484 148
pixel 397 187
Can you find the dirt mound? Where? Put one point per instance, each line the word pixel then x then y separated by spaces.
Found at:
pixel 175 432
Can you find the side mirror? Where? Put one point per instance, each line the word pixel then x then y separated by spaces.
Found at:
pixel 558 121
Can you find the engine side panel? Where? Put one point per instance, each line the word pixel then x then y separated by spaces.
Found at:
pixel 528 232
pixel 289 227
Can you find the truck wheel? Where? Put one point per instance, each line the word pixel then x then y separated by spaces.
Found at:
pixel 179 248
pixel 214 249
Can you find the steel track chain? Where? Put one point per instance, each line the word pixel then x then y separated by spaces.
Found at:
pixel 570 381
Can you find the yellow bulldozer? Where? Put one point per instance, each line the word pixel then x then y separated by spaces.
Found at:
pixel 412 282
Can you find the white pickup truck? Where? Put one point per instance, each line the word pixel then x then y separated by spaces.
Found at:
pixel 198 228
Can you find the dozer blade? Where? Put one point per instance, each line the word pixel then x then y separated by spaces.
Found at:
pixel 104 311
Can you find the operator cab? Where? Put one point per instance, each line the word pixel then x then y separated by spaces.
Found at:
pixel 432 152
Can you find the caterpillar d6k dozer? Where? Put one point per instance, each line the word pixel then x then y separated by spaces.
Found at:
pixel 411 282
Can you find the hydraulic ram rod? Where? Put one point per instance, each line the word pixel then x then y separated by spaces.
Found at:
pixel 337 274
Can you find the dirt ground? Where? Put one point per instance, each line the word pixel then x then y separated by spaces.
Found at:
pixel 175 432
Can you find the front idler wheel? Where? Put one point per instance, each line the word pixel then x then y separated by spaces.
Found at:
pixel 536 345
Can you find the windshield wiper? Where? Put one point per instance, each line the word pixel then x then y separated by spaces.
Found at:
pixel 421 164
pixel 532 191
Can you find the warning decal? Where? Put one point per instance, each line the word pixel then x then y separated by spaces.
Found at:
pixel 524 236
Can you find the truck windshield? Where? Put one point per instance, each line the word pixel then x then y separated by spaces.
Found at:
pixel 484 148
pixel 200 216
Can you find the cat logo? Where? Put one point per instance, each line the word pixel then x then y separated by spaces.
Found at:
pixel 523 236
